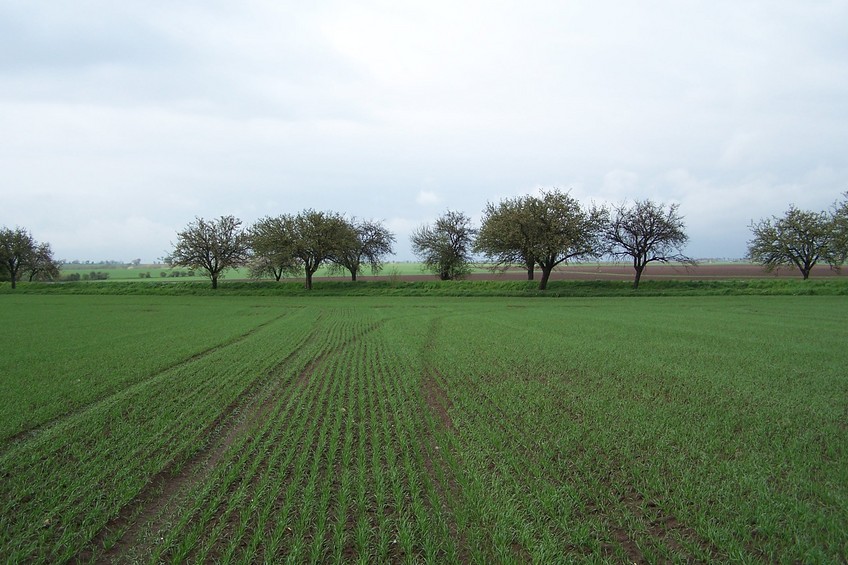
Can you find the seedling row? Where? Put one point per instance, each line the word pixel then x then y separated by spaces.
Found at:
pixel 414 430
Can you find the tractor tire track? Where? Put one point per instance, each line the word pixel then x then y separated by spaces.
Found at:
pixel 151 510
pixel 180 475
pixel 438 469
pixel 35 431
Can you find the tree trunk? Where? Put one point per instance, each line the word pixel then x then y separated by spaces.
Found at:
pixel 352 275
pixel 531 270
pixel 214 281
pixel 804 272
pixel 308 280
pixel 638 276
pixel 546 274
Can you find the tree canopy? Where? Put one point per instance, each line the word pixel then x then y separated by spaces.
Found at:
pixel 504 237
pixel 646 232
pixel 546 230
pixel 272 240
pixel 801 238
pixel 318 237
pixel 21 254
pixel 212 246
pixel 559 230
pixel 445 247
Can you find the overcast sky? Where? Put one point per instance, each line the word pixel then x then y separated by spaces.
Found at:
pixel 122 121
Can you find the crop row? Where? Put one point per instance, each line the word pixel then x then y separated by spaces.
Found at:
pixel 66 353
pixel 667 435
pixel 459 431
pixel 333 469
pixel 62 485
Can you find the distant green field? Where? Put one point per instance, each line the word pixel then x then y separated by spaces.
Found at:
pixel 164 272
pixel 403 429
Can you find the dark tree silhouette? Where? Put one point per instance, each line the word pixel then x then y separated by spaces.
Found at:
pixel 647 232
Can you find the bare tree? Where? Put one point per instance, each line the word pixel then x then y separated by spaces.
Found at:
pixel 212 246
pixel 647 232
pixel 445 247
pixel 801 238
pixel 43 266
pixel 372 243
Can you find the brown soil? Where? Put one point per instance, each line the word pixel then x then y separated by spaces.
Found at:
pixel 438 403
pixel 605 271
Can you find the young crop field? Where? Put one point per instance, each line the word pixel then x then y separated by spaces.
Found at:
pixel 423 430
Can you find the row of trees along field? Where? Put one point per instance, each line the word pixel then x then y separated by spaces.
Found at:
pixel 534 231
pixel 287 244
pixel 541 232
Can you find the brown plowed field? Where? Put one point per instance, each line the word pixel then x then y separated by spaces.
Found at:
pixel 594 271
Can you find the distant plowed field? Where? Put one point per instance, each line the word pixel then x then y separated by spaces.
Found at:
pixel 703 271
pixel 235 429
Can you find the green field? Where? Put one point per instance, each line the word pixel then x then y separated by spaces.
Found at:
pixel 164 272
pixel 423 429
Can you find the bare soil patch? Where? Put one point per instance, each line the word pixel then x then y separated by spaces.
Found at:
pixel 438 401
pixel 611 271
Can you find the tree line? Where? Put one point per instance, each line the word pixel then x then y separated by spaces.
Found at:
pixel 535 231
pixel 532 231
pixel 293 244
pixel 549 230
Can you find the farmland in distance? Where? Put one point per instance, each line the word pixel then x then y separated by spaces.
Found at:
pixel 369 429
